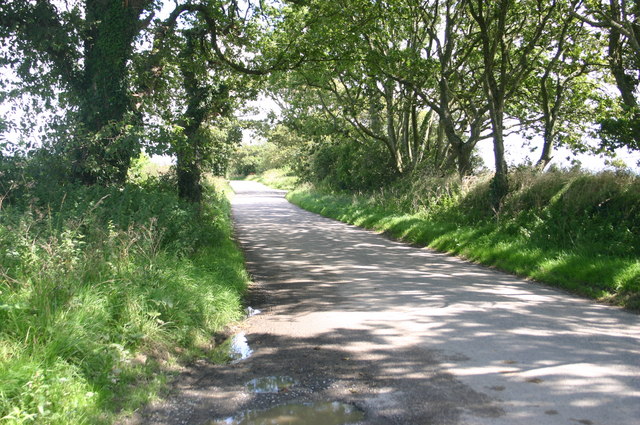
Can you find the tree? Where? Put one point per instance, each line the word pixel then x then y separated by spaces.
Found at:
pixel 206 98
pixel 560 99
pixel 509 34
pixel 620 20
pixel 221 49
pixel 382 111
pixel 426 53
pixel 81 56
pixel 192 105
pixel 353 77
pixel 85 53
pixel 455 92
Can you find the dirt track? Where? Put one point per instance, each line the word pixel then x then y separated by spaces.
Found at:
pixel 408 335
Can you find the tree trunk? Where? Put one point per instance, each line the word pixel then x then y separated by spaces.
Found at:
pixel 626 84
pixel 103 154
pixel 461 150
pixel 492 31
pixel 392 136
pixel 463 158
pixel 500 183
pixel 549 117
pixel 545 156
pixel 189 176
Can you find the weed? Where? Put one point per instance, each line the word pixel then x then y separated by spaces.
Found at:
pixel 276 178
pixel 92 280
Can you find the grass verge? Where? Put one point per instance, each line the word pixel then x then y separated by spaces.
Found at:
pixel 276 178
pixel 574 231
pixel 103 292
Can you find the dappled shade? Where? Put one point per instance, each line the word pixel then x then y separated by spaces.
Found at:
pixel 414 336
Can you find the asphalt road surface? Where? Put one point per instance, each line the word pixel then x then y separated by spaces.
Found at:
pixel 409 335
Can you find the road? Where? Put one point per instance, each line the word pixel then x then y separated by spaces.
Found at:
pixel 409 335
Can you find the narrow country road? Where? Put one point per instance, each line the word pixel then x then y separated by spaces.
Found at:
pixel 408 335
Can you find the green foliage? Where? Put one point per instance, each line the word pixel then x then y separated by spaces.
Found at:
pixel 258 158
pixel 285 149
pixel 351 166
pixel 76 58
pixel 140 169
pixel 224 139
pixel 277 178
pixel 621 131
pixel 574 230
pixel 246 160
pixel 101 290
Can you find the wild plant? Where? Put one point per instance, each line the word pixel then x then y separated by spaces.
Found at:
pixel 92 279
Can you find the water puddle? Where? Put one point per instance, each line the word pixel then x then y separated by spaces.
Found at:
pixel 327 413
pixel 270 384
pixel 252 311
pixel 232 350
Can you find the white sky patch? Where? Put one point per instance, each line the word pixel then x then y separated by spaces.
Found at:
pixel 257 110
pixel 518 154
pixel 163 159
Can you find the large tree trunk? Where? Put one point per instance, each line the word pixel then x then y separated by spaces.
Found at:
pixel 391 127
pixel 103 154
pixel 549 116
pixel 461 150
pixel 550 119
pixel 545 156
pixel 495 96
pixel 199 108
pixel 463 158
pixel 550 113
pixel 189 176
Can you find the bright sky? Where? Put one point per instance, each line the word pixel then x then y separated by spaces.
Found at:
pixel 562 157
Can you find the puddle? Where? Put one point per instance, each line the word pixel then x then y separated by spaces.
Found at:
pixel 232 350
pixel 252 311
pixel 326 413
pixel 270 384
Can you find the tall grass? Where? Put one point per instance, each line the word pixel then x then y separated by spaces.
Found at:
pixel 575 230
pixel 102 291
pixel 277 178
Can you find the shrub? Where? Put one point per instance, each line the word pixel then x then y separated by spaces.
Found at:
pixel 99 288
pixel 351 166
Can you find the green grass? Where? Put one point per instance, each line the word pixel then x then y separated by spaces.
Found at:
pixel 275 178
pixel 103 292
pixel 576 232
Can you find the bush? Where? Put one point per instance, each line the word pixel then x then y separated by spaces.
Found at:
pixel 255 159
pixel 100 288
pixel 351 166
pixel 246 160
